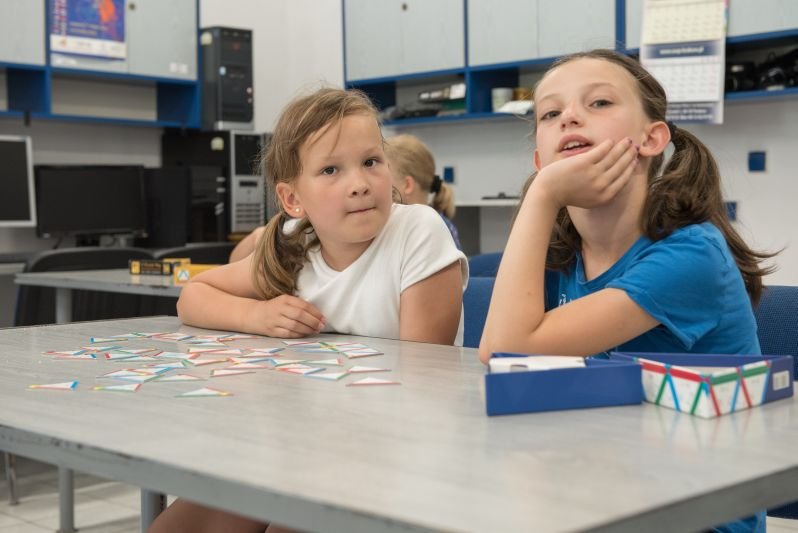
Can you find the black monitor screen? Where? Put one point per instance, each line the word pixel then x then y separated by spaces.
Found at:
pixel 90 200
pixel 16 182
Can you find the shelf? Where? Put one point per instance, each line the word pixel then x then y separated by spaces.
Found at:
pixel 762 95
pixel 119 76
pixel 448 119
pixel 108 120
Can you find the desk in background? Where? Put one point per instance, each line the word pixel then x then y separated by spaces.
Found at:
pixel 419 456
pixel 114 280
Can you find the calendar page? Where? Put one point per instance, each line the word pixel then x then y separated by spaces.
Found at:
pixel 684 48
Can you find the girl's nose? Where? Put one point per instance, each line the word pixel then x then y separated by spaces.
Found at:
pixel 360 184
pixel 570 116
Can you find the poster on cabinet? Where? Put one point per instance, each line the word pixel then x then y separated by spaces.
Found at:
pixel 94 28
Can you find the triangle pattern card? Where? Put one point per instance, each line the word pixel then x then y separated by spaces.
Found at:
pixel 207 344
pixel 237 337
pixel 347 346
pixel 117 356
pixel 134 351
pixel 300 369
pixel 178 377
pixel 126 336
pixel 150 334
pixel 221 372
pixel 204 392
pixel 129 387
pixel 249 359
pixel 320 349
pixel 316 344
pixel 105 339
pixel 121 373
pixel 248 366
pixel 366 352
pixel 227 351
pixel 200 349
pixel 372 381
pixel 202 362
pixel 76 357
pixel 264 351
pixel 326 362
pixel 283 362
pixel 102 348
pixel 169 366
pixel 137 378
pixel 176 355
pixel 358 369
pixel 151 370
pixel 174 337
pixel 329 376
pixel 138 359
pixel 65 352
pixel 67 385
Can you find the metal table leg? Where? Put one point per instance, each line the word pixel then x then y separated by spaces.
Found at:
pixel 66 496
pixel 63 306
pixel 11 478
pixel 152 504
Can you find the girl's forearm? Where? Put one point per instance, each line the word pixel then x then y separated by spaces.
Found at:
pixel 205 306
pixel 518 303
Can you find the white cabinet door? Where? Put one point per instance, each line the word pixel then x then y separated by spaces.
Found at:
pixel 502 31
pixel 761 16
pixel 22 31
pixel 634 23
pixel 162 38
pixel 567 26
pixel 372 38
pixel 432 35
pixel 393 37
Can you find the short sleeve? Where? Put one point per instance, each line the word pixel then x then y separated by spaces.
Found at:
pixel 427 246
pixel 680 282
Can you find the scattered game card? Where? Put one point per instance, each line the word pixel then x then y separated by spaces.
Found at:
pixel 101 348
pixel 178 377
pixel 227 351
pixel 202 362
pixel 207 344
pixel 116 356
pixel 372 381
pixel 251 366
pixel 297 343
pixel 283 362
pixel 221 372
pixel 130 387
pixel 134 351
pixel 105 339
pixel 330 376
pixel 137 378
pixel 354 354
pixel 174 337
pixel 249 359
pixel 148 334
pixel 237 337
pixel 194 349
pixel 358 369
pixel 300 369
pixel 121 373
pixel 169 366
pixel 176 355
pixel 65 352
pixel 67 385
pixel 326 362
pixel 264 351
pixel 203 392
pixel 137 359
pixel 76 357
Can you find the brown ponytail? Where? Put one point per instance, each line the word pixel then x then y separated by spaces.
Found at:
pixel 279 257
pixel 687 191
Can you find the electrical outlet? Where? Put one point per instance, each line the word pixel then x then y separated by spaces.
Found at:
pixel 448 174
pixel 756 161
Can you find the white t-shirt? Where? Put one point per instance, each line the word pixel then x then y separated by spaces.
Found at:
pixel 363 299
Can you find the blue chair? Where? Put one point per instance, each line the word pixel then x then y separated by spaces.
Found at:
pixel 777 329
pixel 476 300
pixel 484 265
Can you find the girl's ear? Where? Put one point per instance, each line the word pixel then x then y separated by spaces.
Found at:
pixel 537 160
pixel 657 137
pixel 408 186
pixel 289 200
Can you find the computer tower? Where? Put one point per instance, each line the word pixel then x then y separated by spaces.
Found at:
pixel 168 197
pixel 227 89
pixel 227 188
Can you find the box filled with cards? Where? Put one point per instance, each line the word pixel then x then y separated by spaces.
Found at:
pixel 709 386
pixel 518 383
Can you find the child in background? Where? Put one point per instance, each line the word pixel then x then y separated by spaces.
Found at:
pixel 339 257
pixel 414 178
pixel 413 169
pixel 607 250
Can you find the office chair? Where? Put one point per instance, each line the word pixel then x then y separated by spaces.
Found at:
pixel 484 265
pixel 36 305
pixel 208 253
pixel 476 300
pixel 777 329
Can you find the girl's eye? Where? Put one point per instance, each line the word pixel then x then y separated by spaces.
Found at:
pixel 370 163
pixel 549 114
pixel 328 171
pixel 601 103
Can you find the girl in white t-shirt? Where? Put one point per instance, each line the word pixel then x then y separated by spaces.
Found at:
pixel 339 257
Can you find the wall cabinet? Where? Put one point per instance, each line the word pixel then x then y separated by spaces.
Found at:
pixel 155 85
pixel 396 37
pixel 510 43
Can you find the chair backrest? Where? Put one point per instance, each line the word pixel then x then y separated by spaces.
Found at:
pixel 210 253
pixel 484 265
pixel 777 321
pixel 36 305
pixel 476 300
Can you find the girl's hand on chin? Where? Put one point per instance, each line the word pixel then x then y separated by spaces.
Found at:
pixel 589 179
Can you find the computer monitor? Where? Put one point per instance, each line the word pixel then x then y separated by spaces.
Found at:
pixel 90 200
pixel 17 199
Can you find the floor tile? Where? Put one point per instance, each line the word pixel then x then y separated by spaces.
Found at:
pixel 93 513
pixel 25 527
pixel 6 520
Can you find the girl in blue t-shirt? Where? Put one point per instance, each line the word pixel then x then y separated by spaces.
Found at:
pixel 611 250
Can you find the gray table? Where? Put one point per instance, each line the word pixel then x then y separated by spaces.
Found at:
pixel 113 280
pixel 420 456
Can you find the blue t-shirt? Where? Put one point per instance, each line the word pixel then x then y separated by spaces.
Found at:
pixel 691 285
pixel 452 230
pixel 687 281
